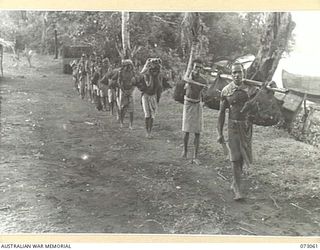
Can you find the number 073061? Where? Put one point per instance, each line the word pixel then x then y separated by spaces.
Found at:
pixel 309 246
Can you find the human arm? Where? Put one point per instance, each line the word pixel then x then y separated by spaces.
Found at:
pixel 221 119
pixel 165 83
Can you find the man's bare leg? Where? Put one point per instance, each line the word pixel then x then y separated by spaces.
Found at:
pixel 103 102
pixel 150 125
pixel 147 126
pixel 121 116
pixel 106 101
pixel 83 89
pixel 185 145
pixel 131 120
pixel 89 92
pixel 196 148
pixel 76 85
pixel 111 104
pixel 118 113
pixel 236 182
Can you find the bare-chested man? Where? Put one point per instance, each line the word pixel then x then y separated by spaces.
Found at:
pixel 95 85
pixel 152 79
pixel 103 83
pixel 125 79
pixel 192 110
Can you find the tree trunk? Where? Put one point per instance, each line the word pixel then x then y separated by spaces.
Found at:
pixel 1 59
pixel 125 35
pixel 274 40
pixel 44 32
pixel 193 52
pixel 273 43
pixel 191 29
pixel 55 44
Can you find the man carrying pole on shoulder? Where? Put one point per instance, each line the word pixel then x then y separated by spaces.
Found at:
pixel 234 96
pixel 192 120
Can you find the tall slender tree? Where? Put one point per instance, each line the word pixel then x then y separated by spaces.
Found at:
pixel 190 36
pixel 125 35
pixel 55 44
pixel 126 52
pixel 44 19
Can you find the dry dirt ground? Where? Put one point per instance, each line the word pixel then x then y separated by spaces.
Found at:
pixel 130 184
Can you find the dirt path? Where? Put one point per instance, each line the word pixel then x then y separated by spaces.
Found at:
pixel 67 168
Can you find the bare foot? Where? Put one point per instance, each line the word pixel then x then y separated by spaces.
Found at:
pixel 237 194
pixel 238 197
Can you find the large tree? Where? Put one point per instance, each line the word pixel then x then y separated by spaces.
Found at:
pixel 273 43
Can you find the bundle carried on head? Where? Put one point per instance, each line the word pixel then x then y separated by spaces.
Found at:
pixel 151 63
pixel 106 60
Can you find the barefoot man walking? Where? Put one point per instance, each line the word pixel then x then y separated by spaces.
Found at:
pixel 233 97
pixel 152 78
pixel 192 110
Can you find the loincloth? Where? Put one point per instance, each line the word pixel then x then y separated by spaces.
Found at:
pixel 149 105
pixel 125 101
pixel 111 95
pixel 103 90
pixel 192 116
pixel 240 140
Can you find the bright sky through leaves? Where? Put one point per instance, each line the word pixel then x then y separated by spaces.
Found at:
pixel 305 57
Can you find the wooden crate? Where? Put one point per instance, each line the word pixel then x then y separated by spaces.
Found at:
pixel 279 96
pixel 292 102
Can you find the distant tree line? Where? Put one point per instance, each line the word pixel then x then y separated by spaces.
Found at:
pixel 223 35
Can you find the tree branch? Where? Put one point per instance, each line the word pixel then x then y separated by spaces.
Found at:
pixel 135 50
pixel 165 21
pixel 119 51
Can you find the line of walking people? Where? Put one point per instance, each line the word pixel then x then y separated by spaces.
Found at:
pixel 87 73
pixel 111 89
